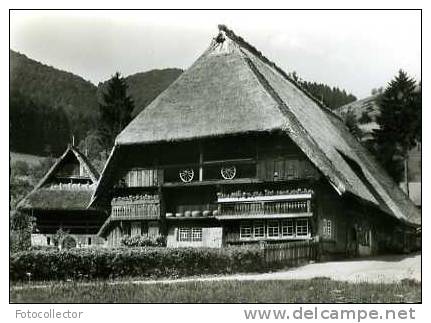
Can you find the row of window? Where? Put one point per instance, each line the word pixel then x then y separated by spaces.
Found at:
pixel 189 234
pixel 290 228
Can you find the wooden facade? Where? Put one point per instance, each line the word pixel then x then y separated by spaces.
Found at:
pixel 279 197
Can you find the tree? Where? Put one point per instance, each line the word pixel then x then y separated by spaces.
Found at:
pixel 377 91
pixel 399 125
pixel 115 110
pixel 91 146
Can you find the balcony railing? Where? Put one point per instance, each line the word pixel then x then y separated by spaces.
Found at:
pixel 136 209
pixel 276 206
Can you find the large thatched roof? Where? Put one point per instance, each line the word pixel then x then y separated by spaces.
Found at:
pixel 49 196
pixel 232 88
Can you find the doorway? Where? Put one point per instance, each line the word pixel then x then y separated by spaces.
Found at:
pixel 352 243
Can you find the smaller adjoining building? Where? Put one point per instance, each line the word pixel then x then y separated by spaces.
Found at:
pixel 58 204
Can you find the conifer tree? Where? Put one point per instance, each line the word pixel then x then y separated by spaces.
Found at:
pixel 399 125
pixel 115 110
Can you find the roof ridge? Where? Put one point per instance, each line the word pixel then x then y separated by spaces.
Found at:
pixel 243 43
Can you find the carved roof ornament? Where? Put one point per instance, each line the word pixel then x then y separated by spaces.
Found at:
pixel 220 37
pixel 221 44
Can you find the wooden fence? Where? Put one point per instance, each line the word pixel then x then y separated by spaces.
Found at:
pixel 291 253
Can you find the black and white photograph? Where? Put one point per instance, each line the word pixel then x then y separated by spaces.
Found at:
pixel 229 156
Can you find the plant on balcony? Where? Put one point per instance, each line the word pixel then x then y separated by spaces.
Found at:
pixel 144 241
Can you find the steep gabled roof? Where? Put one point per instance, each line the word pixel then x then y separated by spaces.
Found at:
pixel 232 88
pixel 68 197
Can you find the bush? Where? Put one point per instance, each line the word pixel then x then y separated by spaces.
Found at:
pixel 20 231
pixel 133 262
pixel 144 241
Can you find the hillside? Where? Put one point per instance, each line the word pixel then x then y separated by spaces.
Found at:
pixel 333 97
pixel 48 105
pixel 368 106
pixel 31 160
pixel 46 85
pixel 146 86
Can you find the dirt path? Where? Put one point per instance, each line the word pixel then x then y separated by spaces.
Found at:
pixel 385 269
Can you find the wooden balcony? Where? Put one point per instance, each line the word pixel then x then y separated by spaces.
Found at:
pixel 136 210
pixel 270 198
pixel 264 216
pixel 261 207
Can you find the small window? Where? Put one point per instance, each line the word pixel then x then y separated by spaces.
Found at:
pixel 48 241
pixel 196 234
pixel 273 229
pixel 287 228
pixel 184 234
pixel 89 241
pixel 259 229
pixel 302 228
pixel 327 228
pixel 189 234
pixel 245 230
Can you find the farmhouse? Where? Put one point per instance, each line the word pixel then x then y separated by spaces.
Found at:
pixel 236 152
pixel 60 200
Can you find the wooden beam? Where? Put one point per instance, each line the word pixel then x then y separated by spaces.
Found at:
pixel 213 182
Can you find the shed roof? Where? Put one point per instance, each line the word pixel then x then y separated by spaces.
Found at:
pixel 232 88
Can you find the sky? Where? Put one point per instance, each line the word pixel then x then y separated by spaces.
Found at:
pixel 354 50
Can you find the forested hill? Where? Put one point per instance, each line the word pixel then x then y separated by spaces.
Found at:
pixel 47 106
pixel 42 84
pixel 333 97
pixel 146 86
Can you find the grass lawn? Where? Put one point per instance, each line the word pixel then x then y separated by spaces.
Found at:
pixel 319 290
